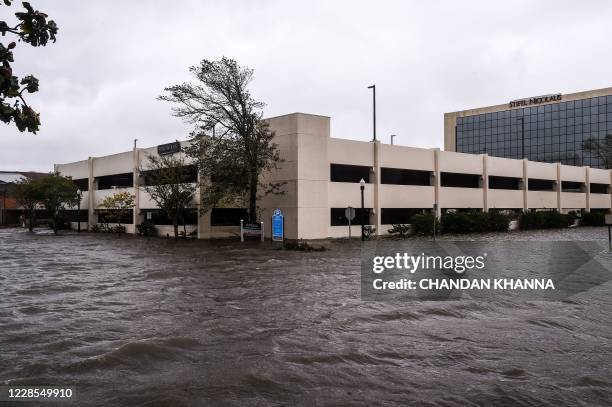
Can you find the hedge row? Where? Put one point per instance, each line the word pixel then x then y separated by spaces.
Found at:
pixel 544 220
pixel 460 222
pixel 475 221
pixel 593 219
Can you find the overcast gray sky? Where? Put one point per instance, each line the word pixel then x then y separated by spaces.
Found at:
pixel 100 79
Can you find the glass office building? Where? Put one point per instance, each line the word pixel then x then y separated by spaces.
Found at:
pixel 552 132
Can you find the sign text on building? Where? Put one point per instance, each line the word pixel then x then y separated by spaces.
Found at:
pixel 536 100
pixel 170 148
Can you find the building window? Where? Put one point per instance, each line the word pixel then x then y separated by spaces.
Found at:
pixel 496 182
pixel 457 180
pixel 110 216
pixel 349 173
pixel 395 216
pixel 116 181
pixel 188 174
pixel 553 133
pixel 74 215
pixel 82 183
pixel 362 217
pixel 570 186
pixel 600 188
pixel 541 184
pixel 189 216
pixel 227 216
pixel 399 176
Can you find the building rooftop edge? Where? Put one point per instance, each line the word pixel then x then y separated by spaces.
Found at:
pixel 504 106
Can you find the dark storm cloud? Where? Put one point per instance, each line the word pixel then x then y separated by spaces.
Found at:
pixel 100 80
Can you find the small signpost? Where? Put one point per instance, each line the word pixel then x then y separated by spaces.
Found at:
pixel 278 226
pixel 251 230
pixel 349 213
pixel 609 223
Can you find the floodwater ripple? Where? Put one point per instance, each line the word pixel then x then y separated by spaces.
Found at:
pixel 156 322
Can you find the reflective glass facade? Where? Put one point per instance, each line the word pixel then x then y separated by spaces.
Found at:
pixel 553 132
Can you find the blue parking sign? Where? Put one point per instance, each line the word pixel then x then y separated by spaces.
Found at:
pixel 278 225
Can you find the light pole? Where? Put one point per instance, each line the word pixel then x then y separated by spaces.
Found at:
pixel 373 87
pixel 522 136
pixel 362 188
pixel 80 195
pixel 392 136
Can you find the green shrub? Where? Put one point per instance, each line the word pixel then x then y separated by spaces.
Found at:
pixel 400 230
pixel 146 229
pixel 464 222
pixel 593 219
pixel 530 220
pixel 544 220
pixel 301 246
pixel 118 229
pixel 423 224
pixel 554 219
pixel 497 221
pixel 95 228
pixel 573 215
pixel 369 231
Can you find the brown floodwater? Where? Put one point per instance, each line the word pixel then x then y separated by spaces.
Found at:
pixel 155 322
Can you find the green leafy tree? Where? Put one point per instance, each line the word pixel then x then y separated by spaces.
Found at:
pixel 119 204
pixel 32 27
pixel 231 145
pixel 57 194
pixel 601 149
pixel 29 194
pixel 168 186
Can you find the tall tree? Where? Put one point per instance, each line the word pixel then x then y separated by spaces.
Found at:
pixel 231 144
pixel 57 194
pixel 169 185
pixel 34 28
pixel 29 194
pixel 601 149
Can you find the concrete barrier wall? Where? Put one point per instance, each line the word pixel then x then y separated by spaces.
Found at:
pixel 407 196
pixel 461 198
pixel 505 199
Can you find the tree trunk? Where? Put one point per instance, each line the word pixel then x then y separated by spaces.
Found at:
pixel 253 198
pixel 31 225
pixel 175 226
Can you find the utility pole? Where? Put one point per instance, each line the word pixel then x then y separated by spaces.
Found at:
pixel 373 87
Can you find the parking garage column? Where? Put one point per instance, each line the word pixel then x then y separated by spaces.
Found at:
pixel 525 184
pixel 587 188
pixel 485 183
pixel 438 212
pixel 136 182
pixel 91 186
pixel 559 187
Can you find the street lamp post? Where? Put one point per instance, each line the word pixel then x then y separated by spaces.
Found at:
pixel 522 136
pixel 80 195
pixel 373 87
pixel 362 188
